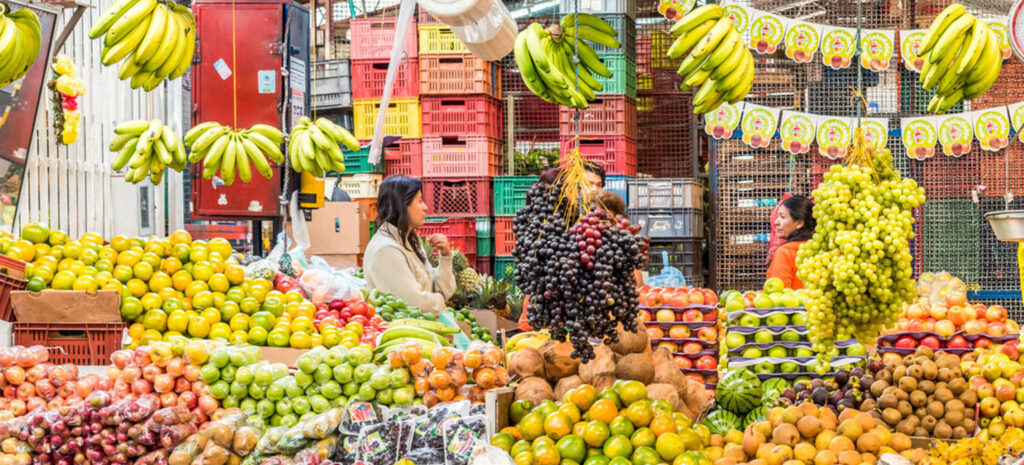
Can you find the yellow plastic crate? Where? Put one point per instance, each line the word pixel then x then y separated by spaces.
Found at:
pixel 403 118
pixel 439 38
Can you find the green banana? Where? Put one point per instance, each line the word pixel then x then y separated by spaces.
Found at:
pixel 697 17
pixel 111 15
pixel 270 132
pixel 533 42
pixel 525 63
pixel 124 153
pixel 593 35
pixel 432 326
pixel 592 60
pixel 396 332
pixel 952 38
pixel 198 130
pixel 272 150
pixel 589 20
pixel 119 141
pixel 684 43
pixel 939 26
pixel 132 127
pixel 257 158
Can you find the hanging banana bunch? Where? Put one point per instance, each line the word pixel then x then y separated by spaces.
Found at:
pixel 962 58
pixel 717 64
pixel 313 146
pixel 155 39
pixel 545 59
pixel 20 40
pixel 231 152
pixel 147 148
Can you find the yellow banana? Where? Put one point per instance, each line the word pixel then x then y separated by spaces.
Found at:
pixel 974 51
pixel 128 21
pixel 685 42
pixel 124 153
pixel 137 126
pixel 193 134
pixel 712 39
pixel 157 28
pixel 589 20
pixel 111 15
pixel 127 45
pixel 227 163
pixel 939 26
pixel 697 17
pixel 242 168
pixel 270 132
pixel 180 42
pixel 737 57
pixel 952 38
pixel 272 150
pixel 167 46
pixel 217 150
pixel 256 156
pixel 723 51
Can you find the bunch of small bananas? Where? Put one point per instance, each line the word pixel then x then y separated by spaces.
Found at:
pixel 230 151
pixel 20 40
pixel 962 58
pixel 313 146
pixel 156 40
pixel 147 148
pixel 545 59
pixel 718 61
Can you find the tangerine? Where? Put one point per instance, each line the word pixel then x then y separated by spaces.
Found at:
pixel 603 410
pixel 557 425
pixel 584 396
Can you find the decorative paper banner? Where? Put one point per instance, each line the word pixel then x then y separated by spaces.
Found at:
pixel 919 136
pixel 766 31
pixel 834 135
pixel 759 124
pixel 675 9
pixel 992 127
pixel 876 48
pixel 722 122
pixel 797 131
pixel 876 131
pixel 999 27
pixel 910 43
pixel 739 17
pixel 955 134
pixel 837 46
pixel 1016 111
pixel 802 40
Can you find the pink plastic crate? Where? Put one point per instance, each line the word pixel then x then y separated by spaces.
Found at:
pixel 405 159
pixel 457 196
pixel 617 154
pixel 459 74
pixel 461 115
pixel 461 156
pixel 608 115
pixel 504 238
pixel 369 76
pixel 372 38
pixel 461 233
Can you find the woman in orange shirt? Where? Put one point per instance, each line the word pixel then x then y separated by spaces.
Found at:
pixel 795 224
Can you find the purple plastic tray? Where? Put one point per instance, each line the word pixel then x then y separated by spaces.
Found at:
pixel 918 335
pixel 689 324
pixel 906 351
pixel 695 370
pixel 772 329
pixel 702 308
pixel 683 341
pixel 694 355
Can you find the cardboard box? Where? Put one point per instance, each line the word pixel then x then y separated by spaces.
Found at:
pixel 339 228
pixel 285 355
pixel 342 261
pixel 53 306
pixel 490 321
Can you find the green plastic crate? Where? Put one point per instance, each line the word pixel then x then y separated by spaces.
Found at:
pixel 358 163
pixel 510 193
pixel 623 80
pixel 503 266
pixel 484 236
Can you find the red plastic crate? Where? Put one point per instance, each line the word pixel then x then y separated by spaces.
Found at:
pixel 461 115
pixel 617 155
pixel 504 238
pixel 484 265
pixel 461 156
pixel 372 38
pixel 446 74
pixel 461 233
pixel 12 267
pixel 8 284
pixel 405 159
pixel 230 232
pixel 608 115
pixel 369 76
pixel 458 196
pixel 82 343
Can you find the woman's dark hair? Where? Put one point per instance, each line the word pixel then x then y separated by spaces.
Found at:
pixel 549 175
pixel 612 202
pixel 801 208
pixel 393 199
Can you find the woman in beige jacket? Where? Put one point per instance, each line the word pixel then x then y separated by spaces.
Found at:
pixel 394 260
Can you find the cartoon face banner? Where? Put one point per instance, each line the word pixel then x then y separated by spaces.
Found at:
pixel 797 131
pixel 876 48
pixel 919 136
pixel 721 123
pixel 759 124
pixel 999 27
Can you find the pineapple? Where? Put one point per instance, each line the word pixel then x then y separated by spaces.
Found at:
pixel 467 279
pixel 459 262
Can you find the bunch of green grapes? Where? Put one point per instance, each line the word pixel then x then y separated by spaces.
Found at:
pixel 857 267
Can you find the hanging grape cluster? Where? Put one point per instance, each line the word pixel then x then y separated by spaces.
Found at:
pixel 578 270
pixel 857 267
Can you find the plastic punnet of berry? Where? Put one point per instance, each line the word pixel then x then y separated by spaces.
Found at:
pixel 578 270
pixel 857 266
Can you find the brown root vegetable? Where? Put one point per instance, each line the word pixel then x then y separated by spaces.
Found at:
pixel 558 360
pixel 525 363
pixel 535 390
pixel 567 384
pixel 668 393
pixel 631 343
pixel 639 367
pixel 602 365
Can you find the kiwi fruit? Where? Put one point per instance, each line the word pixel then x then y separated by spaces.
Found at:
pixel 878 387
pixel 899 372
pixel 916 421
pixel 955 405
pixel 945 374
pixel 887 401
pixel 903 395
pixel 969 424
pixel 957 386
pixel 926 386
pixel 925 351
pixel 915 372
pixel 919 431
pixel 891 416
pixel 884 375
pixel 959 432
pixel 969 399
pixel 869 405
pixel 920 412
pixel 918 398
pixel 942 430
pixel 908 384
pixel 905 427
pixel 954 418
pixel 905 409
pixel 936 409
pixel 928 423
pixel 943 395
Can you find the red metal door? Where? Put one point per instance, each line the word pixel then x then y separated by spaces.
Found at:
pixel 255 71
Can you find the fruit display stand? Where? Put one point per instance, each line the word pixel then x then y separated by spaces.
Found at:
pixel 691 331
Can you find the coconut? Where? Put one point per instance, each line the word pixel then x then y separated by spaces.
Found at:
pixel 567 384
pixel 631 342
pixel 535 390
pixel 558 360
pixel 603 364
pixel 526 363
pixel 668 393
pixel 639 367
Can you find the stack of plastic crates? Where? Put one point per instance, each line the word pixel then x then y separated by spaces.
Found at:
pixel 671 213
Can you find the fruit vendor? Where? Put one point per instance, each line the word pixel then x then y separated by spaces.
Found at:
pixel 795 224
pixel 394 260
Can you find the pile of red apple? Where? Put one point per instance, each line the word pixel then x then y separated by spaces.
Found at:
pixel 154 369
pixel 685 321
pixel 29 382
pixel 339 313
pixel 950 324
pixel 676 297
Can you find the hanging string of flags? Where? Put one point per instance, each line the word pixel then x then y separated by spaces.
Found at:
pixel 803 40
pixel 799 130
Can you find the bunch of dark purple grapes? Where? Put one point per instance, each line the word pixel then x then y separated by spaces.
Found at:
pixel 579 275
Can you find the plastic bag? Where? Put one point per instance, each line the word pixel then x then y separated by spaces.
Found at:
pixel 429 435
pixel 322 425
pixel 461 436
pixel 325 285
pixel 357 415
pixel 267 444
pixel 380 444
pixel 486 454
pixel 317 453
